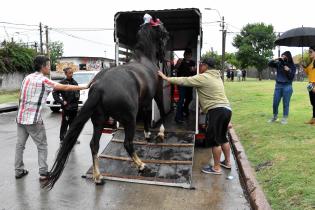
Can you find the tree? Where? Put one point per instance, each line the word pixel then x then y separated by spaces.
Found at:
pixel 305 60
pixel 16 58
pixel 232 59
pixel 56 51
pixel 255 44
pixel 229 57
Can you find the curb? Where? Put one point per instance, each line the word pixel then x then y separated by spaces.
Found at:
pixel 8 108
pixel 256 196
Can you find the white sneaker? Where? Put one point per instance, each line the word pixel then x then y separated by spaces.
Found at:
pixel 284 121
pixel 274 119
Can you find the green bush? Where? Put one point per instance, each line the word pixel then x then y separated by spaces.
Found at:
pixel 16 58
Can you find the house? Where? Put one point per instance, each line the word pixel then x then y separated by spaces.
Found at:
pixel 84 63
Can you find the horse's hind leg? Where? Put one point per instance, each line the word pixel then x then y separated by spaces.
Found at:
pixel 130 129
pixel 98 122
pixel 159 101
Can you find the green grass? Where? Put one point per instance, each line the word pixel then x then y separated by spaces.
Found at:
pixel 289 181
pixel 10 96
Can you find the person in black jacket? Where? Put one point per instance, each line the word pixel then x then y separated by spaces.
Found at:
pixel 283 89
pixel 69 103
pixel 185 68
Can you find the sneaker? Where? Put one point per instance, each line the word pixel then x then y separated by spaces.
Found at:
pixel 272 120
pixel 311 121
pixel 44 177
pixel 179 121
pixel 209 170
pixel 24 173
pixel 222 163
pixel 284 121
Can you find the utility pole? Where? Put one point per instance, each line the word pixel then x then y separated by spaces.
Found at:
pixel 35 46
pixel 47 42
pixel 40 38
pixel 47 47
pixel 223 47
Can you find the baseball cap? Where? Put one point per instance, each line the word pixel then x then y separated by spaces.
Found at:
pixel 209 61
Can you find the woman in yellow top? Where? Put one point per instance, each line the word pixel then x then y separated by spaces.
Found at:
pixel 310 72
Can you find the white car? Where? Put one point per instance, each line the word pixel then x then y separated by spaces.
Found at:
pixel 82 78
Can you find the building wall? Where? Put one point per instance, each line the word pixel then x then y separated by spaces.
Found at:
pixel 91 64
pixel 11 81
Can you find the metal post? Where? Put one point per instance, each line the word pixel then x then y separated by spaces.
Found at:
pixel 278 47
pixel 197 99
pixel 117 52
pixel 35 46
pixel 223 48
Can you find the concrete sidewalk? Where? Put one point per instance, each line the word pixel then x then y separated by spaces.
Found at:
pixel 8 107
pixel 211 192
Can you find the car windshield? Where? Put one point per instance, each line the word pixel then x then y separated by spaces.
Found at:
pixel 83 78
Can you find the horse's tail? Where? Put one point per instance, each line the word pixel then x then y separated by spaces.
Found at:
pixel 71 138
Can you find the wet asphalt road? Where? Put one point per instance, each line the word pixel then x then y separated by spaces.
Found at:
pixel 74 192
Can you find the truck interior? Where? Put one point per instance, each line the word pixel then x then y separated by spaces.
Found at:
pixel 184 27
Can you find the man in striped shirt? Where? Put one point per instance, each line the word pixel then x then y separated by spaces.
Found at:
pixel 33 94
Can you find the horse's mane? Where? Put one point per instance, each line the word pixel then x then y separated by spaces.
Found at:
pixel 149 42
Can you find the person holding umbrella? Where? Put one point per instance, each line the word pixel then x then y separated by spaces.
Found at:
pixel 283 88
pixel 310 72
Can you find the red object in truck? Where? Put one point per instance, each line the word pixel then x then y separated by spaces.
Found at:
pixel 175 94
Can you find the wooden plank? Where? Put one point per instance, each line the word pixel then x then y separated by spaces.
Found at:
pixel 154 144
pixel 142 181
pixel 147 161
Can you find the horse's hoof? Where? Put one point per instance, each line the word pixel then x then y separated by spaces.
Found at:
pixel 159 139
pixel 101 182
pixel 145 171
pixel 148 139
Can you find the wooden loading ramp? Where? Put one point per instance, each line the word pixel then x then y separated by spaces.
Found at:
pixel 170 162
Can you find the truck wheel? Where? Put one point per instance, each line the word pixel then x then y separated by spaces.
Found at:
pixel 55 109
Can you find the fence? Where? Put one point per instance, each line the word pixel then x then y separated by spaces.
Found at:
pixel 270 73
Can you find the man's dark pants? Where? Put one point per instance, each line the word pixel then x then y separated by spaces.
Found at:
pixel 67 118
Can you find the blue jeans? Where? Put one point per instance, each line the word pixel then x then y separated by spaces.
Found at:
pixel 282 91
pixel 180 103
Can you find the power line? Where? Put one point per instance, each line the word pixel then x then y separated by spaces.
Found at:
pixel 11 27
pixel 218 21
pixel 81 38
pixel 234 26
pixel 84 29
pixel 17 24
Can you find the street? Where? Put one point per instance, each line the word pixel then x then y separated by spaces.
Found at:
pixel 74 192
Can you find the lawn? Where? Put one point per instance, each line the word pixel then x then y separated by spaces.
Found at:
pixel 283 155
pixel 6 97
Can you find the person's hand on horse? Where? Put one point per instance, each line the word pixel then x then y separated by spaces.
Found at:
pixel 162 75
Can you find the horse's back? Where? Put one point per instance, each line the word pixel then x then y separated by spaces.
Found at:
pixel 129 79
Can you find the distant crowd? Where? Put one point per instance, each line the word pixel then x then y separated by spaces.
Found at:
pixel 240 74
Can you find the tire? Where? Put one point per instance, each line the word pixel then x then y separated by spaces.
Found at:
pixel 55 109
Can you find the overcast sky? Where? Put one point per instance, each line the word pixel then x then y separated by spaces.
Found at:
pixel 283 15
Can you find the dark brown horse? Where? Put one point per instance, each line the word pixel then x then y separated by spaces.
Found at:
pixel 119 93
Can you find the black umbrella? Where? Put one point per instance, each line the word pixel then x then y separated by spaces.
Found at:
pixel 297 37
